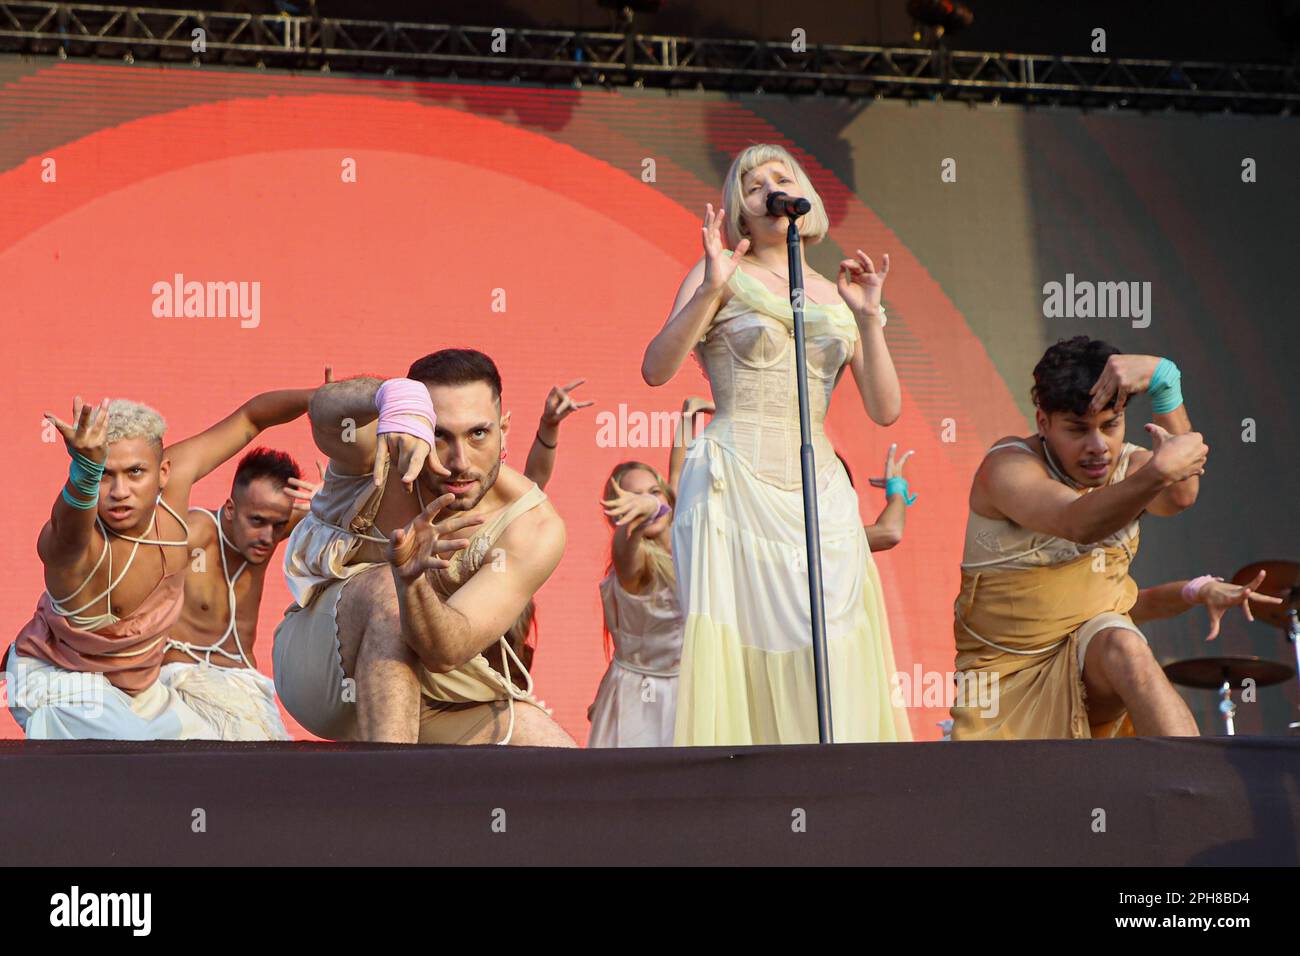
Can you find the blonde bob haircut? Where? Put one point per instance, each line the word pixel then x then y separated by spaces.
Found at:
pixel 813 226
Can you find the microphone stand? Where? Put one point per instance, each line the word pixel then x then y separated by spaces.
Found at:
pixel 812 530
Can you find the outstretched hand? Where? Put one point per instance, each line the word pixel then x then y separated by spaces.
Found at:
pixel 559 405
pixel 88 435
pixel 1218 596
pixel 893 468
pixel 718 266
pixel 303 491
pixel 415 549
pixel 629 508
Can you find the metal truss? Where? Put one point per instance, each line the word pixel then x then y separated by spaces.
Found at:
pixel 636 59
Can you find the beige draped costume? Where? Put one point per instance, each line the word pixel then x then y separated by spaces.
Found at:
pixel 337 541
pixel 1029 604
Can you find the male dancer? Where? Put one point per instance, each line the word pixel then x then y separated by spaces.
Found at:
pixel 397 633
pixel 209 660
pixel 115 555
pixel 1043 618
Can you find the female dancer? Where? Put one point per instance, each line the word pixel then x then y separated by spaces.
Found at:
pixel 738 535
pixel 636 702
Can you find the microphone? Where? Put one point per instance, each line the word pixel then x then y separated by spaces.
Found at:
pixel 782 204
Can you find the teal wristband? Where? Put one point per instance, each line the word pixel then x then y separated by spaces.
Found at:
pixel 78 503
pixel 1165 390
pixel 84 475
pixel 898 486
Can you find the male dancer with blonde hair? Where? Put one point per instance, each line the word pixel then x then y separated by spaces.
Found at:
pixel 115 553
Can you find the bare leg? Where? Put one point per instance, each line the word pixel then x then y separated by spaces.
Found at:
pixel 376 656
pixel 1120 673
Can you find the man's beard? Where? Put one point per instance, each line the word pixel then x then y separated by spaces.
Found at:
pixel 484 486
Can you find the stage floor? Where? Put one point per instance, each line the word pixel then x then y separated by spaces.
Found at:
pixel 1207 801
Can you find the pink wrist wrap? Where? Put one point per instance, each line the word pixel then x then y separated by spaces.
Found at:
pixel 1192 589
pixel 404 406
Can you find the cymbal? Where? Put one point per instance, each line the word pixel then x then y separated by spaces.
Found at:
pixel 1282 579
pixel 1211 672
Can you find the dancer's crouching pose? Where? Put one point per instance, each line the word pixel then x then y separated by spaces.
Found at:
pixel 1045 636
pixel 397 633
pixel 116 553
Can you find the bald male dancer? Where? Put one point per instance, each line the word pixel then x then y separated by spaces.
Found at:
pixel 210 659
pixel 419 554
pixel 115 553
pixel 1046 623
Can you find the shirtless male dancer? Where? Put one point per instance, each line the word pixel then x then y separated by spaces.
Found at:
pixel 397 633
pixel 115 554
pixel 210 659
pixel 1046 613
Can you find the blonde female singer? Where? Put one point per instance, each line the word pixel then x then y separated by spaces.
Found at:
pixel 738 531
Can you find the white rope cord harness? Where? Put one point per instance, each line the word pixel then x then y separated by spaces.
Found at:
pixel 95 622
pixel 195 650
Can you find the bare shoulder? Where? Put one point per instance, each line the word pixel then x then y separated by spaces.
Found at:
pixel 1009 452
pixel 203 533
pixel 540 529
pixel 1000 469
pixel 177 493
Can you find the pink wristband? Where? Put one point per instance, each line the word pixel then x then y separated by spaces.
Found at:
pixel 1192 589
pixel 404 406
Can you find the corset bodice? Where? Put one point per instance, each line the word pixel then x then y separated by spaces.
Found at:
pixel 748 354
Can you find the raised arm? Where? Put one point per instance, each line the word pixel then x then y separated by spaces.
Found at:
pixel 698 299
pixel 632 514
pixel 64 541
pixel 1016 485
pixel 887 532
pixel 692 408
pixel 860 286
pixel 343 421
pixel 201 454
pixel 541 457
pixel 1128 375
